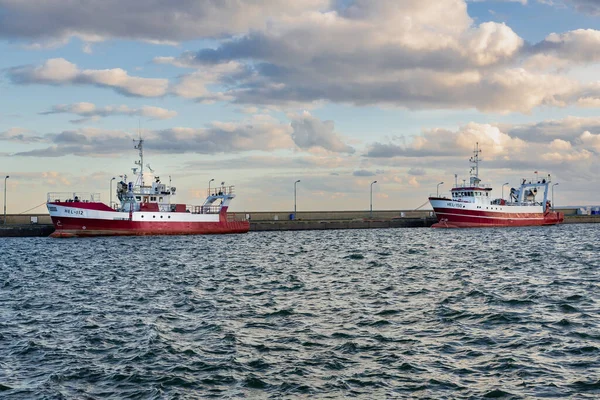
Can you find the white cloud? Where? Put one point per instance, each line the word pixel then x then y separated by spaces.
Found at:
pixel 560 145
pixel 441 142
pixel 570 157
pixel 414 54
pixel 309 132
pixel 20 135
pixel 581 46
pixel 589 102
pixel 196 84
pixel 89 111
pixel 591 140
pixel 491 43
pixel 58 71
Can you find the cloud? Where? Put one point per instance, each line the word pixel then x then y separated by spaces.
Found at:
pixel 412 181
pixel 151 21
pixel 58 71
pixel 413 54
pixel 256 133
pixel 591 7
pixel 581 46
pixel 492 43
pixel 196 85
pixel 417 172
pixel 591 140
pixel 309 132
pixel 363 172
pixel 444 143
pixel 566 129
pixel 416 54
pixel 90 111
pixel 275 163
pixel 20 135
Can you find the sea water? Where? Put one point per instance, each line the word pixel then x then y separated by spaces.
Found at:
pixel 390 313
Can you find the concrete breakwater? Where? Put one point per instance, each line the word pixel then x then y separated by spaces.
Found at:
pixel 298 225
pixel 32 230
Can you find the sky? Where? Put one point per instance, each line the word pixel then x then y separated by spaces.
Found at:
pixel 334 93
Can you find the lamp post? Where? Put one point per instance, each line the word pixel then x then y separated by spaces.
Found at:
pixel 110 193
pixel 504 184
pixel 437 191
pixel 4 221
pixel 371 212
pixel 295 197
pixel 554 184
pixel 209 185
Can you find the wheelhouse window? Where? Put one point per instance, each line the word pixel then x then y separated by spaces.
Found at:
pixel 153 198
pixel 138 198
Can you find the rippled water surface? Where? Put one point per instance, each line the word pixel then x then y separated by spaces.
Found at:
pixel 394 313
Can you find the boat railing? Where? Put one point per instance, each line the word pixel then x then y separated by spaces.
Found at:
pixel 204 209
pixel 444 196
pixel 468 185
pixel 220 191
pixel 84 197
pixel 528 203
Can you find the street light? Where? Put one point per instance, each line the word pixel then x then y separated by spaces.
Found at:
pixel 504 184
pixel 110 193
pixel 553 195
pixel 209 185
pixel 4 222
pixel 295 197
pixel 371 213
pixel 438 189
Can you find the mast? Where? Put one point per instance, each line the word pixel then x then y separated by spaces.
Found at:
pixel 140 146
pixel 474 172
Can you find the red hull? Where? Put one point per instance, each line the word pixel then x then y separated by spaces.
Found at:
pixel 453 218
pixel 71 227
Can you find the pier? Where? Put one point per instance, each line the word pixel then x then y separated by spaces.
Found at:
pixel 40 225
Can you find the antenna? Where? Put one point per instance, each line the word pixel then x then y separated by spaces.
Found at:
pixel 150 169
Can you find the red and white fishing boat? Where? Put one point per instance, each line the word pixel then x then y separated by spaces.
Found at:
pixel 143 210
pixel 471 204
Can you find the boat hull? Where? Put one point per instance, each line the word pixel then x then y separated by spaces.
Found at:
pixel 97 219
pixel 463 216
pixel 81 227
